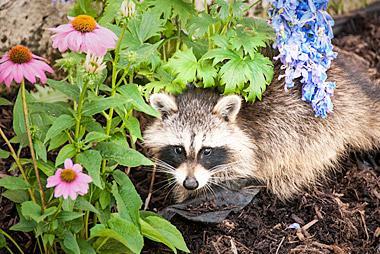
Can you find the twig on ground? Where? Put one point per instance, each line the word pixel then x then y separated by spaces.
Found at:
pixel 279 246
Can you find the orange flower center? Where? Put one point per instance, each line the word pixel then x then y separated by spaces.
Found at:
pixel 84 23
pixel 20 54
pixel 68 175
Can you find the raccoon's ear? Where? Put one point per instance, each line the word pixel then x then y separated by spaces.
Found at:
pixel 163 103
pixel 228 107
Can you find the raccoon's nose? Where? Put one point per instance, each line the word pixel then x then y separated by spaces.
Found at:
pixel 190 183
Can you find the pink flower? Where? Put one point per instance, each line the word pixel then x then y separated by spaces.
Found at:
pixel 19 63
pixel 83 34
pixel 69 181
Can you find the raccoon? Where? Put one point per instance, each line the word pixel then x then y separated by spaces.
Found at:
pixel 204 139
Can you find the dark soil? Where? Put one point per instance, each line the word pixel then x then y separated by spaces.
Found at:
pixel 340 216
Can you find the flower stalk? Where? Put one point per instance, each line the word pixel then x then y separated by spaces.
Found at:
pixel 32 153
pixel 18 163
pixel 79 111
pixel 113 86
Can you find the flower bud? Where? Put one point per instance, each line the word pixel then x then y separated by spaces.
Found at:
pixel 94 64
pixel 128 8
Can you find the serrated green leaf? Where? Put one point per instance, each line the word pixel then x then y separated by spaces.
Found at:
pixel 261 76
pixel 172 8
pixel 123 155
pixel 62 123
pixel 121 205
pixel 101 231
pixel 91 160
pixel 247 41
pixel 234 74
pixel 198 25
pixel 85 247
pixel 104 199
pixel 64 87
pixel 207 73
pixel 58 141
pixel 67 152
pixel 220 55
pixel 14 183
pixel 112 7
pixel 31 210
pixel 184 65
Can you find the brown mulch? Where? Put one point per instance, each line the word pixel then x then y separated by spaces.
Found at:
pixel 342 216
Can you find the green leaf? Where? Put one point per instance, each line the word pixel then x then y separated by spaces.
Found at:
pixel 100 104
pixel 153 234
pixel 261 76
pixel 101 231
pixel 24 226
pixel 123 155
pixel 46 167
pixel 70 243
pixel 40 149
pixel 112 7
pixel 85 247
pixel 168 232
pixel 14 183
pixel 48 239
pixel 234 74
pixel 31 210
pixel 18 118
pixel 172 8
pixel 184 65
pixel 4 154
pixel 129 195
pixel 17 196
pixel 62 123
pixel 198 25
pixel 58 141
pixel 144 27
pixel 133 126
pixel 71 91
pixel 104 199
pixel 249 42
pixel 84 205
pixel 220 55
pixel 91 160
pixel 207 73
pixel 69 216
pixel 129 231
pixel 67 152
pixel 5 102
pixel 95 136
pixel 3 242
pixel 121 205
pixel 131 93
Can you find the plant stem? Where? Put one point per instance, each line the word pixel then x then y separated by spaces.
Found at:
pixel 27 127
pixel 79 111
pixel 251 5
pixel 12 240
pixel 113 87
pixel 18 163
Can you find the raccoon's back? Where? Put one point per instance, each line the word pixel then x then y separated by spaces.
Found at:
pixel 295 148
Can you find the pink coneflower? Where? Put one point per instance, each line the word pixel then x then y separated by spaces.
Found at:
pixel 69 181
pixel 83 34
pixel 19 63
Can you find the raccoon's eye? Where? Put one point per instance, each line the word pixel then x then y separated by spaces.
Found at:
pixel 178 150
pixel 207 151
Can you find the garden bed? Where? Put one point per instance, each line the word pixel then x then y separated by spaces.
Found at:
pixel 341 216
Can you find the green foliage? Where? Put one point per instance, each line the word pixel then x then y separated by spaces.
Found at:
pixel 92 118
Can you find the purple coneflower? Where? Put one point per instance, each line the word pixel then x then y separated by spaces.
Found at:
pixel 19 63
pixel 69 181
pixel 83 34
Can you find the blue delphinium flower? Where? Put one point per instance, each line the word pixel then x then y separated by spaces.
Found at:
pixel 304 33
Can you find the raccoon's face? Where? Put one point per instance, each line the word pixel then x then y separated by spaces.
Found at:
pixel 197 139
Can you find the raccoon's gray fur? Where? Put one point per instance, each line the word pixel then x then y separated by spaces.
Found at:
pixel 277 141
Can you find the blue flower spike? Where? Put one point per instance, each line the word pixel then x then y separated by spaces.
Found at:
pixel 303 38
